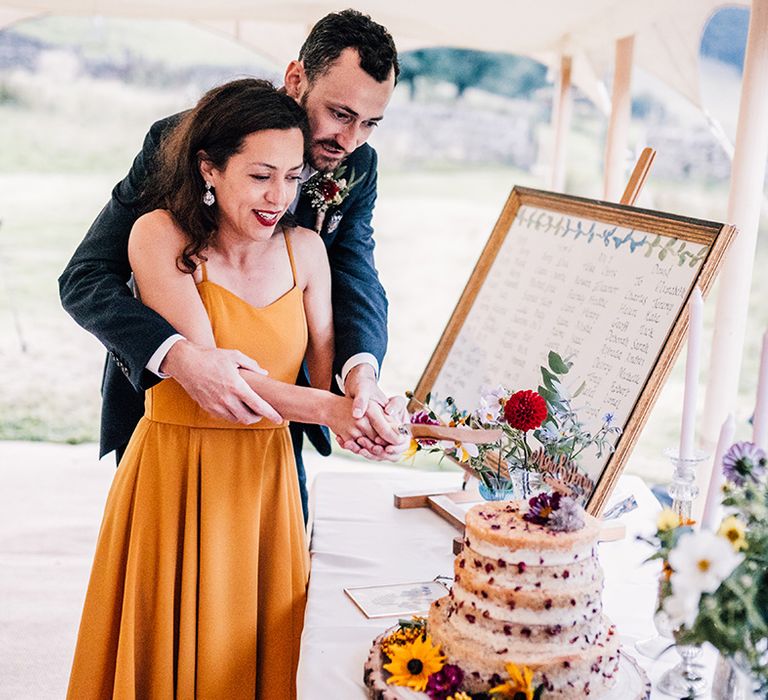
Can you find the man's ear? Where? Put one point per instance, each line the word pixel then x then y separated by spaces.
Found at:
pixel 295 80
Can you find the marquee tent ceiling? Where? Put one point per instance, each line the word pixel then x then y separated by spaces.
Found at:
pixel 668 32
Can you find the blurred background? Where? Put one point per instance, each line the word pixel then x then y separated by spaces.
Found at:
pixel 77 96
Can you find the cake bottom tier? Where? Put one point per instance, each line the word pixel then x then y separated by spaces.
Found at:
pixel 576 670
pixel 631 683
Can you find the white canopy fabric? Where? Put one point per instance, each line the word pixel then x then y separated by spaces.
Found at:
pixel 668 32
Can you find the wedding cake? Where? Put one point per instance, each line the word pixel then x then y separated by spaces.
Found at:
pixel 528 591
pixel 524 612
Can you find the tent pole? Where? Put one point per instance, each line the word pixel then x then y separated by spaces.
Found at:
pixel 561 122
pixel 617 137
pixel 744 203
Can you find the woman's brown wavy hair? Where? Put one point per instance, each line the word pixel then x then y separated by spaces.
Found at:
pixel 217 128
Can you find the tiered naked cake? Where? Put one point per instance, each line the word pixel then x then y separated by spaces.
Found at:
pixel 524 613
pixel 528 591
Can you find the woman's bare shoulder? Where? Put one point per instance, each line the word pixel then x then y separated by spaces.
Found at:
pixel 309 253
pixel 159 228
pixel 305 241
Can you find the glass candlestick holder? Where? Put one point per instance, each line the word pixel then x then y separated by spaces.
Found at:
pixel 684 680
pixel 683 489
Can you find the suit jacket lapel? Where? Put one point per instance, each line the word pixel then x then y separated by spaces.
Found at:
pixel 306 216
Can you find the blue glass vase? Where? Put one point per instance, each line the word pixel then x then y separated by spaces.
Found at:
pixel 520 485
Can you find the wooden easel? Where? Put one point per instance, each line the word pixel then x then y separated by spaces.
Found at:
pixel 446 502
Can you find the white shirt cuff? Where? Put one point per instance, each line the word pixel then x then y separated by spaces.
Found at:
pixel 159 355
pixel 362 358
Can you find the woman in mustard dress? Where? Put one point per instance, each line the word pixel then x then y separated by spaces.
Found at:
pixel 199 579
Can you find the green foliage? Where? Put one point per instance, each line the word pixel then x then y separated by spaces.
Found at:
pixel 498 73
pixel 734 618
pixel 561 436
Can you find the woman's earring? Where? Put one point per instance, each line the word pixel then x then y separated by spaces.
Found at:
pixel 208 197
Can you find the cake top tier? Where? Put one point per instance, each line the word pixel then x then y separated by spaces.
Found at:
pixel 504 524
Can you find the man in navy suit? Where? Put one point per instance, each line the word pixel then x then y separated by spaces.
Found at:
pixel 344 77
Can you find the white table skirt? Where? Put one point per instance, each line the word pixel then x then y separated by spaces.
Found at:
pixel 360 539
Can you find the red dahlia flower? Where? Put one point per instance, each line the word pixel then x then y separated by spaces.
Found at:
pixel 525 410
pixel 329 189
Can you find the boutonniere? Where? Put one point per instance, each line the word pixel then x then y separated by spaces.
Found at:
pixel 327 190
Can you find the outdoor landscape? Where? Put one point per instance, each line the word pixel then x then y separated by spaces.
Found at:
pixel 77 96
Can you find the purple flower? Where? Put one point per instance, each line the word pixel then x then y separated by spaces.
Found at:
pixel 445 682
pixel 744 460
pixel 541 507
pixel 569 517
pixel 423 418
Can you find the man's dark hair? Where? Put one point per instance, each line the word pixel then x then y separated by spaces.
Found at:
pixel 349 29
pixel 216 128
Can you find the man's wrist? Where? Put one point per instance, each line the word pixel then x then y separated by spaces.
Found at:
pixel 361 364
pixel 156 363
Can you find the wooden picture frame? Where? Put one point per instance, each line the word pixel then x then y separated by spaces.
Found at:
pixel 573 234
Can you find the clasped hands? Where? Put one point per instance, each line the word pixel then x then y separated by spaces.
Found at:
pixel 374 435
pixel 212 378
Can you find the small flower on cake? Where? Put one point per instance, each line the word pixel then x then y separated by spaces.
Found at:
pixel 569 517
pixel 413 663
pixel 519 686
pixel 559 513
pixel 445 683
pixel 744 462
pixel 407 632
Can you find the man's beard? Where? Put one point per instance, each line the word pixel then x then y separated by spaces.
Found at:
pixel 322 162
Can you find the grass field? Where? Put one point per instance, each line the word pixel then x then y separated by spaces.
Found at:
pixel 64 144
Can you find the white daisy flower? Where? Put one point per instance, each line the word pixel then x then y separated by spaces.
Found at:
pixel 701 561
pixel 682 609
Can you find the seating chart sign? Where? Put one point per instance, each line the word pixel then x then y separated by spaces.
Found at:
pixel 604 285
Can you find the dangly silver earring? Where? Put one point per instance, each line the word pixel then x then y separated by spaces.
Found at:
pixel 208 196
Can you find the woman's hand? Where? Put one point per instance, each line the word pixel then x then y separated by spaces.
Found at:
pixel 358 434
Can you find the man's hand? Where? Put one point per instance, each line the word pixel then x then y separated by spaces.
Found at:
pixel 210 376
pixel 378 417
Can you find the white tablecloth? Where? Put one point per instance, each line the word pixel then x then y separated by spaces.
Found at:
pixel 360 539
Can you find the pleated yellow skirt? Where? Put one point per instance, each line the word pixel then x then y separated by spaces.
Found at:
pixel 199 580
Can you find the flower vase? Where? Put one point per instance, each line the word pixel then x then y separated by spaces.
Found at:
pixel 520 485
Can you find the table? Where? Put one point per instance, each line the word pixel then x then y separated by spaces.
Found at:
pixel 360 539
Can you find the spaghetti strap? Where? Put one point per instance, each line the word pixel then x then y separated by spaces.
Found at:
pixel 203 272
pixel 290 255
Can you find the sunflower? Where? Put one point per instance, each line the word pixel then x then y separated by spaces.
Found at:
pixel 520 683
pixel 734 531
pixel 412 664
pixel 413 448
pixel 461 695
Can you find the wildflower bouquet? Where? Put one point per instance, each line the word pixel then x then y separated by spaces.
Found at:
pixel 715 585
pixel 541 430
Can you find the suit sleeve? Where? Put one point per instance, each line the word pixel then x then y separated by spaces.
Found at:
pixel 94 285
pixel 359 301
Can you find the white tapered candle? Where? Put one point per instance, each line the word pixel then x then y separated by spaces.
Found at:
pixel 710 520
pixel 760 417
pixel 692 362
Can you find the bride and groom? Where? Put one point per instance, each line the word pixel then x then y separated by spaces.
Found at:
pixel 199 578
